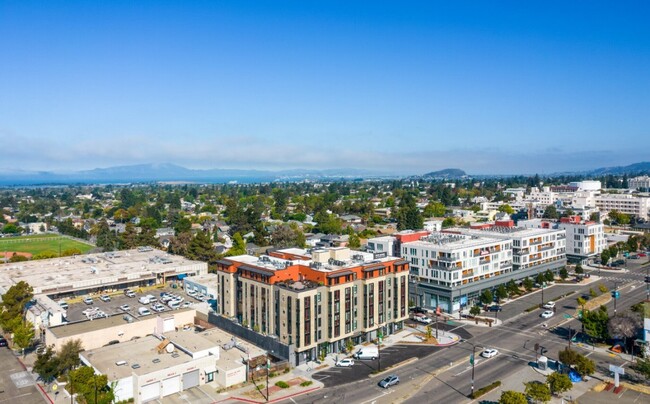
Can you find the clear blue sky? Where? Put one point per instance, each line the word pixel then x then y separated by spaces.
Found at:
pixel 404 87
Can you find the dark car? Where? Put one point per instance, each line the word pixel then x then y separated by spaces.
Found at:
pixel 3 342
pixel 495 308
pixel 418 310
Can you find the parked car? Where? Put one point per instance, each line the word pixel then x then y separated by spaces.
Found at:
pixel 88 301
pixel 389 381
pixel 158 307
pixel 143 311
pixel 63 304
pixel 129 293
pixel 186 304
pixel 642 255
pixel 495 308
pixel 549 305
pixel 125 307
pixel 488 353
pixel 418 310
pixel 547 314
pixel 3 342
pixel 347 362
pixel 367 352
pixel 152 298
pixel 105 298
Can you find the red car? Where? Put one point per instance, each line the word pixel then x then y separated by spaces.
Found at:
pixel 641 254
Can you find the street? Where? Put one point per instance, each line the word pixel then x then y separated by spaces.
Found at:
pixel 515 341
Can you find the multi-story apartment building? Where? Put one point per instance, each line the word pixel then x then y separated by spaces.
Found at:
pixel 448 269
pixel 315 301
pixel 639 183
pixel 629 204
pixel 390 245
pixel 584 239
pixel 533 250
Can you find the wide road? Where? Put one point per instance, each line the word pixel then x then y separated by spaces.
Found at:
pixel 445 375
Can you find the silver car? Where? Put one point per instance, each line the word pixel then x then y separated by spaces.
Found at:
pixel 389 381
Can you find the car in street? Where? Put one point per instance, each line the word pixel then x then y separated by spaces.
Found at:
pixel 88 301
pixel 549 305
pixel 125 307
pixel 3 342
pixel 495 308
pixel 422 319
pixel 389 381
pixel 347 362
pixel 418 310
pixel 547 314
pixel 641 255
pixel 105 298
pixel 489 353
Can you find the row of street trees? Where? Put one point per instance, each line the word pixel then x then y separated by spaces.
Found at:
pixel 12 315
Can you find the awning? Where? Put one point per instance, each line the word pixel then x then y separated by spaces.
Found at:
pixel 182 276
pixel 373 268
pixel 401 262
pixel 210 369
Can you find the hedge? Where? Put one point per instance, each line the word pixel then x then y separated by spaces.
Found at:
pixel 282 385
pixel 484 390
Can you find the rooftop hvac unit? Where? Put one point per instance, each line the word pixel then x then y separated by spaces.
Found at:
pixel 169 348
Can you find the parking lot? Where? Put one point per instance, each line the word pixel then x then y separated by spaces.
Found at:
pixel 16 384
pixel 77 311
pixel 362 368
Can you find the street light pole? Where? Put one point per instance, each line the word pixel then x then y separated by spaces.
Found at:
pixel 473 362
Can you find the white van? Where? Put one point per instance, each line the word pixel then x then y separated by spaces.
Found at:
pixel 174 304
pixel 144 300
pixel 367 352
pixel 143 311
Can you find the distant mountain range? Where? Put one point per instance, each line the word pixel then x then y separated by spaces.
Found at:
pixel 171 172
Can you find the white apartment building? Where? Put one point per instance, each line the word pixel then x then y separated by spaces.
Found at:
pixel 584 239
pixel 450 270
pixel 531 248
pixel 544 197
pixel 639 183
pixel 629 204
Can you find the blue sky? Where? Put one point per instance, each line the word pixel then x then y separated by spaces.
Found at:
pixel 403 87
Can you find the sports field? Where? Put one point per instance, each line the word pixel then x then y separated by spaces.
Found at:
pixel 41 243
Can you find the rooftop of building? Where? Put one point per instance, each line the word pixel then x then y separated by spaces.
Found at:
pixel 128 264
pixel 209 277
pixel 81 327
pixel 453 241
pixel 512 232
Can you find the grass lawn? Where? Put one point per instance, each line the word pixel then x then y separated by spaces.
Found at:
pixel 37 244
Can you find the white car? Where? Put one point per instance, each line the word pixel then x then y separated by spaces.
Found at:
pixel 88 301
pixel 158 307
pixel 422 319
pixel 186 304
pixel 125 307
pixel 547 314
pixel 549 305
pixel 347 362
pixel 105 298
pixel 488 353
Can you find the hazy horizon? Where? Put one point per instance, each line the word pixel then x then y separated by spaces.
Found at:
pixel 408 88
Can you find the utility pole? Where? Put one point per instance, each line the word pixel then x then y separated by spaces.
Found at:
pixel 542 293
pixel 379 337
pixel 473 361
pixel 437 311
pixel 268 366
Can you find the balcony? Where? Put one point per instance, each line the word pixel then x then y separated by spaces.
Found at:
pixel 535 242
pixel 445 259
pixel 522 252
pixel 545 247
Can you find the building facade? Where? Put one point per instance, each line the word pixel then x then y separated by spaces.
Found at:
pixel 624 203
pixel 584 239
pixel 317 304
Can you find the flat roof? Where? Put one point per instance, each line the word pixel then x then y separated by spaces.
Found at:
pixel 94 270
pixel 142 351
pixel 511 232
pixel 72 329
pixel 221 337
pixel 453 241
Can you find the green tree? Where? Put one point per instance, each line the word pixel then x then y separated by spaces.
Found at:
pixel 106 239
pixel 238 246
pixel 538 391
pixel 47 365
pixel 581 301
pixel 200 248
pixel 512 397
pixel 585 366
pixel 559 382
pixel 68 357
pixel 512 288
pixel 408 215
pixel 595 323
pixel 23 334
pixel 604 257
pixel 506 209
pixel 528 284
pixel 475 310
pixel 92 387
pixel 592 293
pixel 579 269
pixel 435 209
pixel 548 276
pixel 13 305
pixel 501 292
pixel 643 367
pixel 354 241
pixel 564 273
pixel 487 297
pixel 603 288
pixel 183 225
pixel 550 212
pixel 540 279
